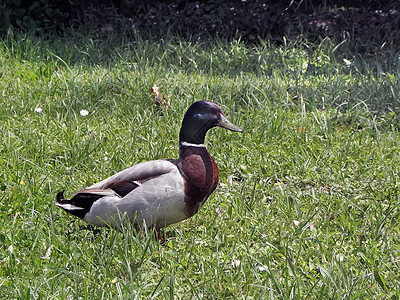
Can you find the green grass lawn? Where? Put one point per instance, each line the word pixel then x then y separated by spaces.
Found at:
pixel 308 201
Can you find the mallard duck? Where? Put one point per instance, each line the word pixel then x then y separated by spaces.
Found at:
pixel 160 192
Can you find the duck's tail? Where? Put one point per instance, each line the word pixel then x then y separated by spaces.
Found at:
pixel 81 203
pixel 70 205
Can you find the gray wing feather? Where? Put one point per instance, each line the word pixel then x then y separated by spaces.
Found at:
pixel 140 172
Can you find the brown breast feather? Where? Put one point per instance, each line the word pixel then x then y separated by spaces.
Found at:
pixel 201 176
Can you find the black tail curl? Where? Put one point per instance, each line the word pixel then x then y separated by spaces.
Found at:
pixel 60 196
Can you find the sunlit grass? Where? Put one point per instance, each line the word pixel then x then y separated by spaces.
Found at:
pixel 308 201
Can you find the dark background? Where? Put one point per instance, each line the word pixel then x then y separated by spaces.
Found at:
pixel 369 21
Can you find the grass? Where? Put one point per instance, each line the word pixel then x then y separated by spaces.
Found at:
pixel 308 201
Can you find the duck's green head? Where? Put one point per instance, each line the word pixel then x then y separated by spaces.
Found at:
pixel 199 118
